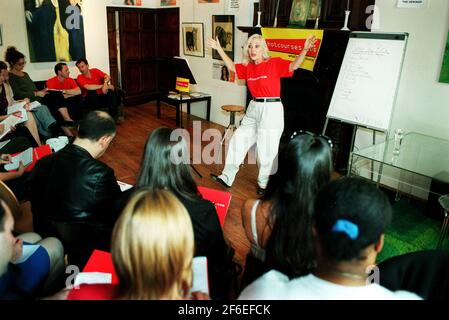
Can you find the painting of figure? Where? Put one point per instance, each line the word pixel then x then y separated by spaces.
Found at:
pixel 167 3
pixel 193 38
pixel 55 30
pixel 223 30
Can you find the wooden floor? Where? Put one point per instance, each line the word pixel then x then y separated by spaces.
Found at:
pixel 124 156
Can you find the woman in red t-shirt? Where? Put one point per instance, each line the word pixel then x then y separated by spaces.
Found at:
pixel 263 122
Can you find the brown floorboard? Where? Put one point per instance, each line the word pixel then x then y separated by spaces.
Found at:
pixel 124 156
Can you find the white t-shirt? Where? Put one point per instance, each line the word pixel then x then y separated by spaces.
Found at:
pixel 274 285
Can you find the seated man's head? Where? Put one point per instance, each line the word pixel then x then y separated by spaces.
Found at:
pixel 152 247
pixel 82 65
pixel 6 236
pixel 95 133
pixel 62 70
pixel 350 219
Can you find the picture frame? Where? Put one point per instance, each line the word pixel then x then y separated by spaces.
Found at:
pixel 314 10
pixel 299 13
pixel 223 29
pixel 1 35
pixel 193 39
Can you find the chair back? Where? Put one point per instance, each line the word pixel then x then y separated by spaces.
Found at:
pixel 10 198
pixel 81 238
pixel 423 272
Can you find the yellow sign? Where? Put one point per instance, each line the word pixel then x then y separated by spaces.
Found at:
pixel 287 43
pixel 182 84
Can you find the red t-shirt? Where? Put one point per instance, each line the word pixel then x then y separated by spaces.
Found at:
pixel 67 84
pixel 263 79
pixel 96 78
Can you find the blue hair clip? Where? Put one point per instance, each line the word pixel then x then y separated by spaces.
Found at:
pixel 348 227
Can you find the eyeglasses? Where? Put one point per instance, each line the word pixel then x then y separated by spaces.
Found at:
pixel 326 138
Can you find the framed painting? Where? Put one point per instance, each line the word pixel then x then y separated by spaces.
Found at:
pixel 55 30
pixel 223 29
pixel 299 13
pixel 167 3
pixel 193 39
pixel 133 2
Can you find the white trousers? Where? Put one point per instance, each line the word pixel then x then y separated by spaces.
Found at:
pixel 263 124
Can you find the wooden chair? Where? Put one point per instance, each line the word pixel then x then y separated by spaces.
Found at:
pixel 9 197
pixel 21 211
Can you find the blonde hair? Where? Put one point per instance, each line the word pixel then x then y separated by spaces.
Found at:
pixel 263 44
pixel 152 247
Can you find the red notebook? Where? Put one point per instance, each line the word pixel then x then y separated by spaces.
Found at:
pixel 38 153
pixel 221 200
pixel 99 261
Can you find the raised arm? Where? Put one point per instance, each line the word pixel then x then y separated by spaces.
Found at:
pixel 310 42
pixel 215 44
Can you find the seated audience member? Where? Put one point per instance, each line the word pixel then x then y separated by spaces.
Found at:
pixel 97 89
pixel 24 88
pixel 6 100
pixel 278 225
pixel 72 185
pixel 20 278
pixel 15 180
pixel 152 251
pixel 64 94
pixel 165 165
pixel 350 218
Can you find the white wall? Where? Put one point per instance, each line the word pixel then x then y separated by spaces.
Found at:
pixel 95 26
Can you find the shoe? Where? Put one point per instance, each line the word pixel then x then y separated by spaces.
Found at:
pixel 218 179
pixel 260 191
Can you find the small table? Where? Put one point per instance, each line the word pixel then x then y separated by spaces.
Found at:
pixel 176 102
pixel 419 154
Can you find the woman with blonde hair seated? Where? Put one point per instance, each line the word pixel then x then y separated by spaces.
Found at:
pixel 152 251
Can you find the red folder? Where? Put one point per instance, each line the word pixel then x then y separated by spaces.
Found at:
pixel 38 153
pixel 221 200
pixel 101 261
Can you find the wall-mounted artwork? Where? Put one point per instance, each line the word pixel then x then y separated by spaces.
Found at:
pixel 444 74
pixel 167 3
pixel 221 72
pixel 193 39
pixel 299 13
pixel 1 35
pixel 55 30
pixel 208 1
pixel 133 2
pixel 223 29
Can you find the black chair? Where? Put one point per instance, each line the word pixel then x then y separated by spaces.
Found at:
pixel 424 273
pixel 80 238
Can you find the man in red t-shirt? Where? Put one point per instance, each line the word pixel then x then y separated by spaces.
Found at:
pixel 97 89
pixel 64 96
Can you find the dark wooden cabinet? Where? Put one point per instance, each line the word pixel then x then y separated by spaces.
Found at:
pixel 148 38
pixel 332 13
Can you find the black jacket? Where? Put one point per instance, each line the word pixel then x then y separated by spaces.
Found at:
pixel 70 185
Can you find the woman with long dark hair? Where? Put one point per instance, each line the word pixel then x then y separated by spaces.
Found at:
pixel 165 165
pixel 273 222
